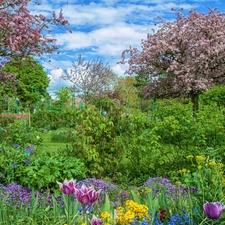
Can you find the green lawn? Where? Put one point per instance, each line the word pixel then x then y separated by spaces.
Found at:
pixel 49 146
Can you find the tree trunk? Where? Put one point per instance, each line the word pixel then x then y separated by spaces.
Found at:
pixel 194 100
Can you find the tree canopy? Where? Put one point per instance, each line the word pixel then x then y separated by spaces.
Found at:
pixel 32 79
pixel 184 57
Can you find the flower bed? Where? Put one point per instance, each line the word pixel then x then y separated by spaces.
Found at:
pixel 157 202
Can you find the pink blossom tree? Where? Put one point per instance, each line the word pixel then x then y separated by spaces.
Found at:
pixel 23 33
pixel 184 57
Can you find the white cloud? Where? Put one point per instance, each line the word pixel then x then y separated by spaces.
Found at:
pixel 56 82
pixel 119 69
pixel 75 40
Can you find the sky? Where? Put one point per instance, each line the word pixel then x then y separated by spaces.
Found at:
pixel 103 29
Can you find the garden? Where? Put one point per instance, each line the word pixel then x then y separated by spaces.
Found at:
pixel 144 149
pixel 163 166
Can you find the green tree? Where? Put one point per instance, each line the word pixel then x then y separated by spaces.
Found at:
pixel 33 80
pixel 126 92
pixel 64 98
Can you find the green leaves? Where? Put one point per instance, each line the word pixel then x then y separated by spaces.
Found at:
pixel 45 170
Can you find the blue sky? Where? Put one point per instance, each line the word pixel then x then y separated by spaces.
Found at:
pixel 104 28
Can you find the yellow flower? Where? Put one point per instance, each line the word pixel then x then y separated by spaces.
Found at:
pixel 212 163
pixel 199 167
pixel 134 210
pixel 190 157
pixel 200 159
pixel 105 215
pixel 220 165
pixel 183 171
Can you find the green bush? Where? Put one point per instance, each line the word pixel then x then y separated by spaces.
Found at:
pixel 12 163
pixel 52 120
pixel 63 135
pixel 43 171
pixel 19 133
pixel 215 95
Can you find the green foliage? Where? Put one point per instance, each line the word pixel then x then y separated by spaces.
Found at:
pixel 19 133
pixel 35 170
pixel 207 175
pixel 96 142
pixel 216 95
pixel 53 120
pixel 6 120
pixel 37 211
pixel 63 135
pixel 109 146
pixel 104 104
pixel 33 81
pixel 64 98
pixel 181 134
pixel 43 171
pixel 12 163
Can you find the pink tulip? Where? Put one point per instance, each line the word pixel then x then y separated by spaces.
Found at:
pixel 87 195
pixel 67 187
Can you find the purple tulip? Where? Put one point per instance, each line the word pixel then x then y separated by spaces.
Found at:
pixel 96 221
pixel 67 187
pixel 87 195
pixel 213 210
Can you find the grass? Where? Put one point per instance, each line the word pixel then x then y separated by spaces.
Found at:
pixel 48 145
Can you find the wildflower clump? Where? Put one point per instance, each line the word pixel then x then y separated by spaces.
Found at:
pixel 207 176
pixel 133 212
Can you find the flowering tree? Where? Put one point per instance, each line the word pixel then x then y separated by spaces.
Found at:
pixel 24 33
pixel 91 78
pixel 182 58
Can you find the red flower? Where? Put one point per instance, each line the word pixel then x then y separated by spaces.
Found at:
pixel 163 214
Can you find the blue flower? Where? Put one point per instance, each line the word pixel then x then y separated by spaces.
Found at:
pixel 16 145
pixel 27 162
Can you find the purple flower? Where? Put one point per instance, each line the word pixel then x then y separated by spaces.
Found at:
pixel 125 194
pixel 213 210
pixel 67 187
pixel 30 148
pixel 96 221
pixel 3 175
pixel 87 195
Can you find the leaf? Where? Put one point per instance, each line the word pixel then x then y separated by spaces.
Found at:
pixel 106 207
pixel 135 197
